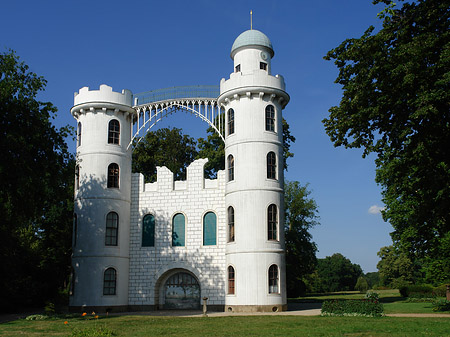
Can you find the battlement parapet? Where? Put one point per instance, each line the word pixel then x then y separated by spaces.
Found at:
pixel 195 179
pixel 104 94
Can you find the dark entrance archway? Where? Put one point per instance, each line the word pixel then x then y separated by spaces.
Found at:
pixel 181 291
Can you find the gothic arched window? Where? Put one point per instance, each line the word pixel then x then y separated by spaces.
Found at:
pixel 79 134
pixel 178 230
pixel 231 280
pixel 209 229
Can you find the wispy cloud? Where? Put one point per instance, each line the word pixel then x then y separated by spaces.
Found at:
pixel 375 209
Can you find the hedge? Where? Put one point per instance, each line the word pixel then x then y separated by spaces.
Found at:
pixel 417 291
pixel 367 307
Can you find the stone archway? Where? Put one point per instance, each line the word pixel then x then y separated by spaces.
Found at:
pixel 179 289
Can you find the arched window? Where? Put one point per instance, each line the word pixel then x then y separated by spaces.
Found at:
pixel 230 224
pixel 230 167
pixel 178 228
pixel 109 282
pixel 77 177
pixel 231 280
pixel 75 229
pixel 272 222
pixel 271 166
pixel 79 134
pixel 230 121
pixel 113 132
pixel 209 229
pixel 148 231
pixel 270 118
pixel 113 175
pixel 273 279
pixel 112 229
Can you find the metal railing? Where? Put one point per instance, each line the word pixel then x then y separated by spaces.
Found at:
pixel 158 95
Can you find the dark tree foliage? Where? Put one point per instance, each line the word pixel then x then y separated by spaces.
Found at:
pixel 336 273
pixel 301 215
pixel 396 103
pixel 164 147
pixel 36 198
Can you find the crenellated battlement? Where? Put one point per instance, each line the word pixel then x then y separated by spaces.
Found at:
pixel 104 94
pixel 195 180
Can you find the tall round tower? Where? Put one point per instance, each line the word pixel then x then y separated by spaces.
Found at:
pixel 102 199
pixel 253 100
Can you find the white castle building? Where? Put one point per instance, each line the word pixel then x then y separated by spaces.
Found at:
pixel 169 244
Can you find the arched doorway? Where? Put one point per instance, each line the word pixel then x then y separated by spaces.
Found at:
pixel 181 291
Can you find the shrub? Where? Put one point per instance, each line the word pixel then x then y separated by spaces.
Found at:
pixel 417 291
pixel 361 284
pixel 440 291
pixel 372 295
pixel 441 305
pixel 36 317
pixel 370 308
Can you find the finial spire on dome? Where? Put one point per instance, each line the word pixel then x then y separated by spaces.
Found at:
pixel 251 19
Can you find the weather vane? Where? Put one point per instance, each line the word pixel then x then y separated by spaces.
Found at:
pixel 251 19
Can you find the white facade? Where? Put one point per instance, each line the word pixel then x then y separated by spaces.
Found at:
pixel 170 243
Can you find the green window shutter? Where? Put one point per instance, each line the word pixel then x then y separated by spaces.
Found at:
pixel 148 231
pixel 209 229
pixel 178 230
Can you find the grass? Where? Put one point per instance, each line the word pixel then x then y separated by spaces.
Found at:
pixel 236 326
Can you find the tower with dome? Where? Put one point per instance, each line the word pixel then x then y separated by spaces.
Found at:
pixel 169 244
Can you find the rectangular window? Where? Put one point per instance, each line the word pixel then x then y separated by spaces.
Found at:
pixel 263 65
pixel 148 231
pixel 238 68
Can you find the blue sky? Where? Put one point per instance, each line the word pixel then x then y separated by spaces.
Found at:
pixel 147 45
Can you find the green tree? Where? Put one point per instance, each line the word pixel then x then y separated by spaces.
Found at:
pixel 164 147
pixel 361 284
pixel 396 103
pixel 373 278
pixel 395 267
pixel 36 204
pixel 301 214
pixel 337 273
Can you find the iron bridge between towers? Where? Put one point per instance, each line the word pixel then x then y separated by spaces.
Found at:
pixel 200 100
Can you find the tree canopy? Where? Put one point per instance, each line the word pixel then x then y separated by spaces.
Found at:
pixel 301 214
pixel 396 103
pixel 36 193
pixel 164 147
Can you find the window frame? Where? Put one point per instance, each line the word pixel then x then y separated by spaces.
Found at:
pixel 77 177
pixel 231 280
pixel 274 279
pixel 270 118
pixel 207 230
pixel 112 229
pixel 272 222
pixel 230 220
pixel 110 285
pixel 271 165
pixel 113 176
pixel 237 69
pixel 230 121
pixel 173 231
pixel 152 233
pixel 230 163
pixel 114 132
pixel 263 66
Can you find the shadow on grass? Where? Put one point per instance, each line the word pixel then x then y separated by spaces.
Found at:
pixel 392 299
pixel 297 306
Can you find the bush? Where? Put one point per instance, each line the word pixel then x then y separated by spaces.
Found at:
pixel 361 284
pixel 441 305
pixel 416 291
pixel 369 308
pixel 440 291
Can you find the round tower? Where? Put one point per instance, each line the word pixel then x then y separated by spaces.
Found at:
pixel 100 258
pixel 253 100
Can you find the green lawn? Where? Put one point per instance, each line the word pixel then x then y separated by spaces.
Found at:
pixel 236 326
